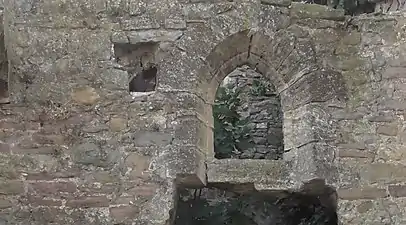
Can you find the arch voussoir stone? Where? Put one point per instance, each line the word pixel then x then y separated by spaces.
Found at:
pixel 267 70
pixel 283 44
pixel 232 46
pixel 255 62
pixel 262 46
pixel 301 58
pixel 286 54
pixel 230 65
pixel 316 86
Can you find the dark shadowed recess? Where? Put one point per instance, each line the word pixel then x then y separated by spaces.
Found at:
pixel 4 92
pixel 351 7
pixel 138 60
pixel 220 205
pixel 145 81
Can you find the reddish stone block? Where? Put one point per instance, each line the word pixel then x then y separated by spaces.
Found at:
pixel 39 201
pixel 39 176
pixel 5 203
pixel 4 148
pixel 123 213
pixel 46 215
pixel 11 126
pixel 144 190
pixel 48 188
pixel 48 139
pixel 13 187
pixel 352 153
pixel 40 150
pixel 388 129
pixel 362 193
pixel 32 126
pixel 125 200
pixel 104 189
pixel 50 176
pixel 397 190
pixel 394 72
pixel 89 202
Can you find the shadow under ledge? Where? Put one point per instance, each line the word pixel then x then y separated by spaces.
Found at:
pixel 226 204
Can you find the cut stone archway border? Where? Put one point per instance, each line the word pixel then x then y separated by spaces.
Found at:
pixel 289 62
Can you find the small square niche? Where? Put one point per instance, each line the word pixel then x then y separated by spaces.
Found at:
pixel 139 61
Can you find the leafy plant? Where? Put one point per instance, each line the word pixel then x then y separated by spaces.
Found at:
pixel 259 88
pixel 231 132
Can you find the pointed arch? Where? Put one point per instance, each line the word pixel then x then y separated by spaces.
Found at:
pixel 290 64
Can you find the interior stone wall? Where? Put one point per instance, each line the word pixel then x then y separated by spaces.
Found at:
pixel 76 147
pixel 371 123
pixel 261 107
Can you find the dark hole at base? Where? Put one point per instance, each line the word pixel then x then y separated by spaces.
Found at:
pixel 144 81
pixel 349 6
pixel 214 206
pixel 138 59
pixel 4 99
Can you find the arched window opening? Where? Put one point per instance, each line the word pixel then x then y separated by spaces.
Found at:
pixel 247 117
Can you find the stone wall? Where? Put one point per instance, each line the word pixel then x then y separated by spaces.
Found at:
pixel 370 139
pixel 3 63
pixel 261 107
pixel 77 148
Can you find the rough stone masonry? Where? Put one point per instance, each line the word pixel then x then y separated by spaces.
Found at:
pixel 260 107
pixel 77 148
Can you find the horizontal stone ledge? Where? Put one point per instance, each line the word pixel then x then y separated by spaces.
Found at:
pixel 353 153
pixel 143 36
pixel 183 163
pixel 314 11
pixel 274 174
pixel 66 24
pixel 362 193
pixel 383 173
pixel 153 36
pixel 397 190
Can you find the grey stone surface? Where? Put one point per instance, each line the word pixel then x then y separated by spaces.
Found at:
pixel 342 93
pixel 275 174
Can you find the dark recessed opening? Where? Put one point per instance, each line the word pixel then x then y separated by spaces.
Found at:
pixel 139 61
pixel 248 117
pixel 4 99
pixel 359 8
pixel 215 206
pixel 145 81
